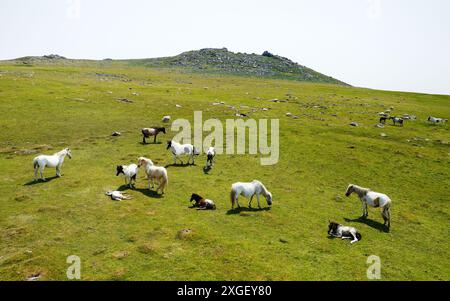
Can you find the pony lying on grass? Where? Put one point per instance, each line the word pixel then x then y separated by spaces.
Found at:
pixel 130 172
pixel 374 199
pixel 118 196
pixel 344 232
pixel 249 190
pixel 178 149
pixel 56 160
pixel 154 173
pixel 202 203
pixel 149 132
pixel 436 120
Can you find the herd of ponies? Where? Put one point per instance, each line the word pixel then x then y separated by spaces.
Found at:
pixel 157 177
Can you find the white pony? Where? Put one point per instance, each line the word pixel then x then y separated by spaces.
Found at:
pixel 249 190
pixel 154 173
pixel 56 160
pixel 374 199
pixel 178 149
pixel 129 171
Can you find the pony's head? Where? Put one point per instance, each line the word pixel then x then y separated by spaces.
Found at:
pixel 269 199
pixel 350 189
pixel 429 118
pixel 144 161
pixel 169 144
pixel 69 153
pixel 119 170
pixel 163 130
pixel 332 227
pixel 195 197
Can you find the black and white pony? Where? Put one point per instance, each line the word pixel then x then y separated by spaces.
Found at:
pixel 210 154
pixel 202 203
pixel 149 132
pixel 344 232
pixel 178 149
pixel 130 172
pixel 396 120
pixel 436 120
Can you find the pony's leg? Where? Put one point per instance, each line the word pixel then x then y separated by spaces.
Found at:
pixel 237 202
pixel 154 140
pixel 58 171
pixel 250 202
pixel 36 172
pixel 257 198
pixel 41 170
pixel 366 214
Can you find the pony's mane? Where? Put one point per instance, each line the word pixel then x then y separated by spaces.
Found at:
pixel 265 191
pixel 146 160
pixel 360 190
pixel 60 152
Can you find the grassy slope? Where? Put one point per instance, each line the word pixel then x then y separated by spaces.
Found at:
pixel 51 106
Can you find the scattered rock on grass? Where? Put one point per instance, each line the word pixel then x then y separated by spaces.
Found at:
pixel 354 124
pixel 185 234
pixel 116 134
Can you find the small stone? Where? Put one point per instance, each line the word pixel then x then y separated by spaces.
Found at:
pixel 354 124
pixel 383 135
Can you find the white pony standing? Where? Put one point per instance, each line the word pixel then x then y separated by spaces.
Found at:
pixel 249 190
pixel 178 149
pixel 154 173
pixel 56 160
pixel 374 199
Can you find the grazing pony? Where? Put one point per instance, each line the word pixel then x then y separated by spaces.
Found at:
pixel 374 199
pixel 344 232
pixel 210 154
pixel 130 172
pixel 201 203
pixel 249 190
pixel 148 132
pixel 56 160
pixel 182 149
pixel 436 120
pixel 154 174
pixel 383 119
pixel 396 120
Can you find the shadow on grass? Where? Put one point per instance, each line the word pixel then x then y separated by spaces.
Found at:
pixel 371 223
pixel 206 169
pixel 246 209
pixel 147 143
pixel 33 182
pixel 149 193
pixel 180 165
pixel 124 187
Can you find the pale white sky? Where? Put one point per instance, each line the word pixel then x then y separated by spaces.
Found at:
pixel 382 44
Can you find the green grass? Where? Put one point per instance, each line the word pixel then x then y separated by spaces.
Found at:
pixel 45 108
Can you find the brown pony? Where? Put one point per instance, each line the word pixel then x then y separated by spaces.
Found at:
pixel 148 132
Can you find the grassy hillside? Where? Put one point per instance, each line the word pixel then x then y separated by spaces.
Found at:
pixel 48 107
pixel 205 61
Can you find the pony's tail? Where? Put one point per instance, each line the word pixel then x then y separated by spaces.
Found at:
pixel 35 163
pixel 232 197
pixel 358 236
pixel 165 182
